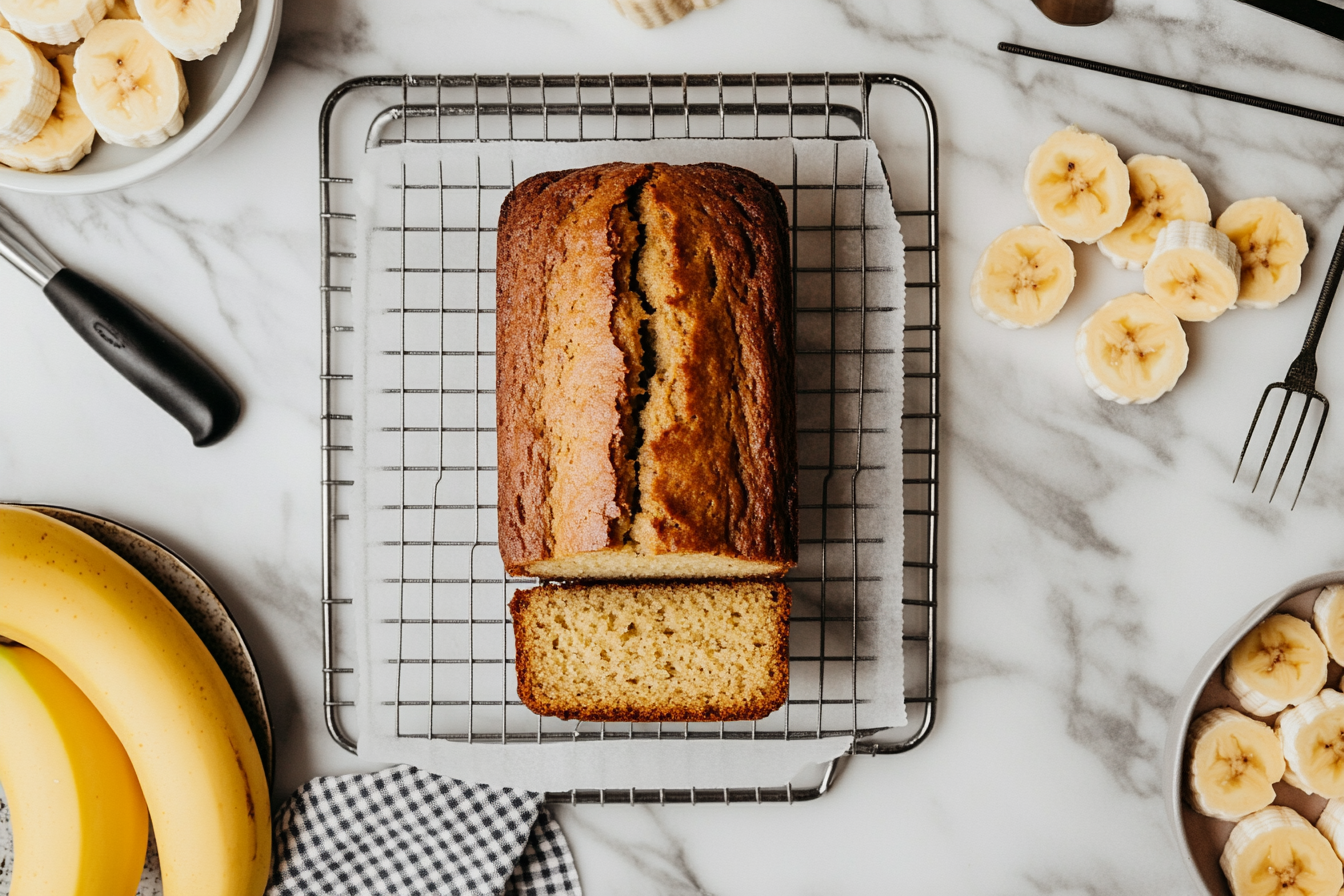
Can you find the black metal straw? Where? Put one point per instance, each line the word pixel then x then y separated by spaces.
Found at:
pixel 1245 99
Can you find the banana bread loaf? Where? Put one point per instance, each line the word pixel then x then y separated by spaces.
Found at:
pixel 653 651
pixel 645 395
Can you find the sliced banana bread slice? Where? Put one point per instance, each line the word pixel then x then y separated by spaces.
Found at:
pixel 653 652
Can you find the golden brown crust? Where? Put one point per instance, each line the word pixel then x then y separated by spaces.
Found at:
pixel 715 445
pixel 532 648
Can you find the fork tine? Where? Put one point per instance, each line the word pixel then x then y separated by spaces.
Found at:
pixel 1320 427
pixel 1288 455
pixel 1250 432
pixel 1272 436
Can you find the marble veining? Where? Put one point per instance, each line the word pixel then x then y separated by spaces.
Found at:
pixel 1091 552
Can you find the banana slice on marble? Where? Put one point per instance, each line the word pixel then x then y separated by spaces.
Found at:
pixel 66 138
pixel 1023 278
pixel 190 29
pixel 29 86
pixel 54 22
pixel 1194 271
pixel 1077 185
pixel 129 86
pixel 1312 734
pixel 1327 614
pixel 1272 243
pixel 1161 190
pixel 1235 762
pixel 1131 350
pixel 1276 852
pixel 1279 663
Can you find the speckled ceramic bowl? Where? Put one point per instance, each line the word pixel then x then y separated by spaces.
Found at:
pixel 201 607
pixel 1201 839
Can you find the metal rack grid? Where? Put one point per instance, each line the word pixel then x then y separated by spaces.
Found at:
pixel 429 109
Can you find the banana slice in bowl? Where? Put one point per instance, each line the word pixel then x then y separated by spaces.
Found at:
pixel 192 30
pixel 66 138
pixel 1279 663
pixel 1161 190
pixel 29 87
pixel 1235 761
pixel 1312 734
pixel 1194 271
pixel 54 21
pixel 1131 350
pixel 1272 243
pixel 1024 278
pixel 1077 185
pixel 1327 615
pixel 129 86
pixel 1276 852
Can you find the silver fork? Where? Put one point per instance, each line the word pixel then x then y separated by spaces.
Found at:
pixel 1301 378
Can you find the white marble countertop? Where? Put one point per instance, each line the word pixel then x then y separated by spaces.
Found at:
pixel 1091 551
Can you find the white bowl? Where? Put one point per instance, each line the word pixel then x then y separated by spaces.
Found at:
pixel 1200 838
pixel 221 89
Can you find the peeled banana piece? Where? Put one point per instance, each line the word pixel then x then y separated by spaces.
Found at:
pixel 129 86
pixel 1272 243
pixel 1131 350
pixel 1331 824
pixel 1277 852
pixel 1328 617
pixel 1279 663
pixel 1023 278
pixel 29 86
pixel 1077 185
pixel 190 29
pixel 54 21
pixel 1235 762
pixel 1194 271
pixel 66 138
pixel 1161 190
pixel 79 819
pixel 1312 734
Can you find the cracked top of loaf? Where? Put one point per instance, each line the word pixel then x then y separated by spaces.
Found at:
pixel 645 385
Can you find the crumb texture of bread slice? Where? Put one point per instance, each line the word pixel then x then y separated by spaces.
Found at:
pixel 653 651
pixel 645 385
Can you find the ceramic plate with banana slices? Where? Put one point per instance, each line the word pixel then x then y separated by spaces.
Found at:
pixel 1273 673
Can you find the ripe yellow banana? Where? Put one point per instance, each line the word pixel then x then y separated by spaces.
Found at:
pixel 1279 663
pixel 88 611
pixel 1077 185
pixel 1023 278
pixel 77 812
pixel 1277 852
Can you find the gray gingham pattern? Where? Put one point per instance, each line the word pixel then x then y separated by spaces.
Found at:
pixel 404 832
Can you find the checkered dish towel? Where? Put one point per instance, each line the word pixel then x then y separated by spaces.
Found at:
pixel 404 832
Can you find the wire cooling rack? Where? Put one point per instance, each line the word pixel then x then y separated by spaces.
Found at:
pixel 898 114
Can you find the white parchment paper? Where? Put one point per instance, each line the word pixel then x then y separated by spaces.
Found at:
pixel 426 243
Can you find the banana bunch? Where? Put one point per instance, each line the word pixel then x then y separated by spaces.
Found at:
pixel 157 688
pixel 1276 852
pixel 123 79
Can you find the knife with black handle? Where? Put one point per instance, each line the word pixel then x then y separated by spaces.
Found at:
pixel 137 346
